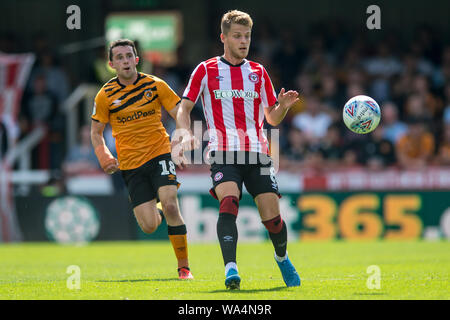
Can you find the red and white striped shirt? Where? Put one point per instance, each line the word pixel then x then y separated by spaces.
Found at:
pixel 233 98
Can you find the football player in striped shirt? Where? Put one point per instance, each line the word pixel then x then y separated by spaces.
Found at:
pixel 131 103
pixel 236 95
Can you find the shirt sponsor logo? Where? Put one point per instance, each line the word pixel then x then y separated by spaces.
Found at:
pixel 229 94
pixel 135 116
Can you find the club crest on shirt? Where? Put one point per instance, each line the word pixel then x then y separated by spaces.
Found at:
pixel 148 94
pixel 218 176
pixel 253 77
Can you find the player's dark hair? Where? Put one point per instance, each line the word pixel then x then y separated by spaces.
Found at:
pixel 121 42
pixel 235 16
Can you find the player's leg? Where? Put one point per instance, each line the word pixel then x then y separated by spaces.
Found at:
pixel 176 227
pixel 262 185
pixel 269 210
pixel 165 182
pixel 147 216
pixel 228 194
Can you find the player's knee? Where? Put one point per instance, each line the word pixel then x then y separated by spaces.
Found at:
pixel 230 205
pixel 170 209
pixel 148 226
pixel 274 225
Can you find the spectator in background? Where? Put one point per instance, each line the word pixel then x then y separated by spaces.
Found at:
pixel 443 155
pixel 313 121
pixel 447 103
pixel 318 60
pixel 441 75
pixel 41 109
pixel 432 104
pixel 381 68
pixel 267 42
pixel 294 155
pixel 414 64
pixel 330 92
pixel 81 159
pixel 415 149
pixel 286 59
pixel 56 79
pixel 415 108
pixel 378 152
pixel 331 147
pixel 393 128
pixel 350 159
pixel 384 64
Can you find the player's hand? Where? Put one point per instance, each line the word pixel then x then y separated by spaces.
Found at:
pixel 189 142
pixel 287 99
pixel 112 167
pixel 177 153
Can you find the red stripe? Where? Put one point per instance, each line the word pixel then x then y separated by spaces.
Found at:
pixel 12 74
pixel 194 88
pixel 216 105
pixel 237 83
pixel 257 68
pixel 271 98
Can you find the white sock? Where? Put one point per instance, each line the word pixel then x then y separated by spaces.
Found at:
pixel 229 266
pixel 281 259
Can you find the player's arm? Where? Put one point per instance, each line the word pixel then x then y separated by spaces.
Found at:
pixel 276 113
pixel 108 163
pixel 183 139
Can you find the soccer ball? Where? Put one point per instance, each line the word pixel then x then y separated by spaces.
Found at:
pixel 361 114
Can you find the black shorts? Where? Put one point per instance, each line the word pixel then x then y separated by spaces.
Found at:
pixel 143 182
pixel 254 170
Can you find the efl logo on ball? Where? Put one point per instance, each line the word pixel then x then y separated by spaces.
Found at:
pixel 361 114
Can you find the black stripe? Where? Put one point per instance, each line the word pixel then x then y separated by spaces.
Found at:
pixel 134 90
pixel 116 91
pixel 128 102
pixel 156 96
pixel 177 230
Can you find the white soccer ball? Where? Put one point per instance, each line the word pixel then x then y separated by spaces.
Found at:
pixel 361 114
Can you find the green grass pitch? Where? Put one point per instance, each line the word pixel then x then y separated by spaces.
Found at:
pixel 147 270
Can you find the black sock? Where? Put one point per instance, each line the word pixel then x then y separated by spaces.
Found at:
pixel 228 236
pixel 279 241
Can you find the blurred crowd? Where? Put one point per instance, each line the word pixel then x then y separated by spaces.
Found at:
pixel 410 80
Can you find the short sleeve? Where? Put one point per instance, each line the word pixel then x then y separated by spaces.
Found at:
pixel 100 111
pixel 166 95
pixel 269 97
pixel 196 83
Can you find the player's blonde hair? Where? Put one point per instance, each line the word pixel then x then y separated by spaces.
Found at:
pixel 235 16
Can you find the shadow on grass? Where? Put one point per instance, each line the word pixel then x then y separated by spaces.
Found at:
pixel 140 280
pixel 249 290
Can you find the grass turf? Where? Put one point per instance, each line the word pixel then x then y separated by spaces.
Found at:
pixel 147 270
